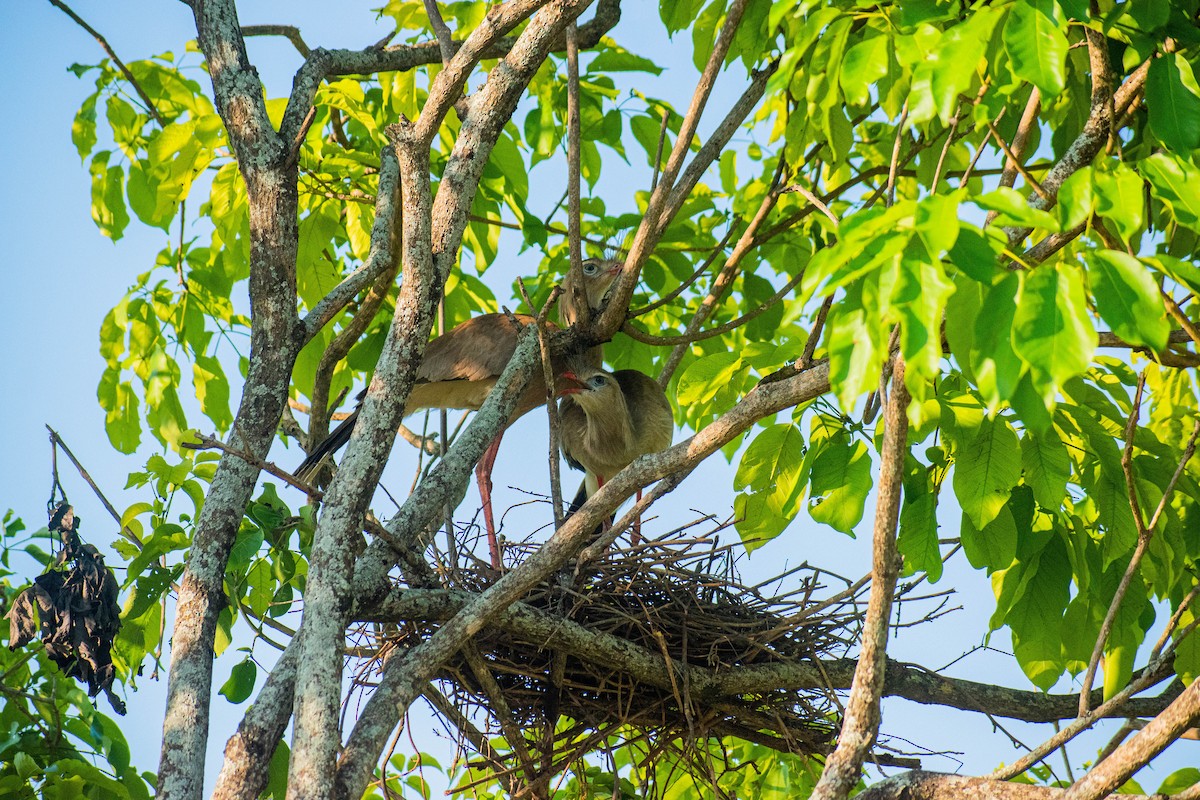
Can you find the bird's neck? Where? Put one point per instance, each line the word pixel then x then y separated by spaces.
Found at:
pixel 610 428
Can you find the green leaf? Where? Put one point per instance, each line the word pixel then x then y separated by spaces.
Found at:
pixel 1177 183
pixel 1036 618
pixel 614 58
pixel 706 376
pixel 1047 467
pixel 841 479
pixel 996 365
pixel 774 458
pixel 864 64
pixel 1036 45
pixel 212 390
pixel 917 539
pixel 120 402
pixel 1052 331
pixel 1173 101
pixel 1014 210
pixel 995 546
pixel 985 471
pixel 1120 198
pixel 854 356
pixel 108 197
pixel 976 253
pixel 241 682
pixel 83 129
pixel 1179 780
pixel 1128 298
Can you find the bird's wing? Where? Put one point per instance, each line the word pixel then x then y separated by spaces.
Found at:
pixel 649 409
pixel 477 349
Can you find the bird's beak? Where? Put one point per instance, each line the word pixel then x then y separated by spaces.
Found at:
pixel 568 383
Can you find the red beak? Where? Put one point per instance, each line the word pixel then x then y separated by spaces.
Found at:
pixel 569 383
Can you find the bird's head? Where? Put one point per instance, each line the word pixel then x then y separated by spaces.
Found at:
pixel 589 386
pixel 598 277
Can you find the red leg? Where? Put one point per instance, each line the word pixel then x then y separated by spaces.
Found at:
pixel 635 536
pixel 483 475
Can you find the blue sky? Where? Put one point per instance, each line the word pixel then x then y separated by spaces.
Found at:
pixel 62 276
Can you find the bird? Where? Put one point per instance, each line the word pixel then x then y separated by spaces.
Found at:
pixel 459 370
pixel 610 419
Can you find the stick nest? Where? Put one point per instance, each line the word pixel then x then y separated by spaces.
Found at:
pixel 678 598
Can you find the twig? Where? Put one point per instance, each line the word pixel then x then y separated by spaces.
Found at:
pixel 57 441
pixel 725 277
pixel 1173 622
pixel 890 198
pixel 703 268
pixel 1014 159
pixel 812 198
pixel 551 405
pixel 860 726
pixel 298 142
pixel 441 30
pixel 1144 531
pixel 941 162
pixel 814 337
pixel 574 247
pixel 289 32
pixel 500 708
pixel 150 108
pixel 662 138
pixel 213 443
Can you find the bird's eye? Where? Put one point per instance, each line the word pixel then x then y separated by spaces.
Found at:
pixel 597 381
pixel 589 268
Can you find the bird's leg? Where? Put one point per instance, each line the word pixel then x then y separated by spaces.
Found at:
pixel 607 523
pixel 483 475
pixel 635 535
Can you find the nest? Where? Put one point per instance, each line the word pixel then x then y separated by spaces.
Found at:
pixel 676 601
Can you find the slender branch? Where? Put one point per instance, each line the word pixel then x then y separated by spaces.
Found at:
pixel 860 725
pixel 1145 533
pixel 381 258
pixel 574 247
pixel 539 627
pixel 1153 673
pixel 1132 755
pixel 445 37
pixel 1014 159
pixel 890 192
pixel 204 442
pixel 1179 316
pixel 726 276
pixel 477 738
pixel 700 270
pixel 57 440
pixel 1025 127
pixel 289 32
pixel 654 221
pixel 683 340
pixel 104 45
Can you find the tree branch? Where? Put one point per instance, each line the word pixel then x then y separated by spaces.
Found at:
pixel 860 725
pixel 104 45
pixel 1135 753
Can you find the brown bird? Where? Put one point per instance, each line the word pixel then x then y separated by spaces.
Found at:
pixel 614 418
pixel 461 367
